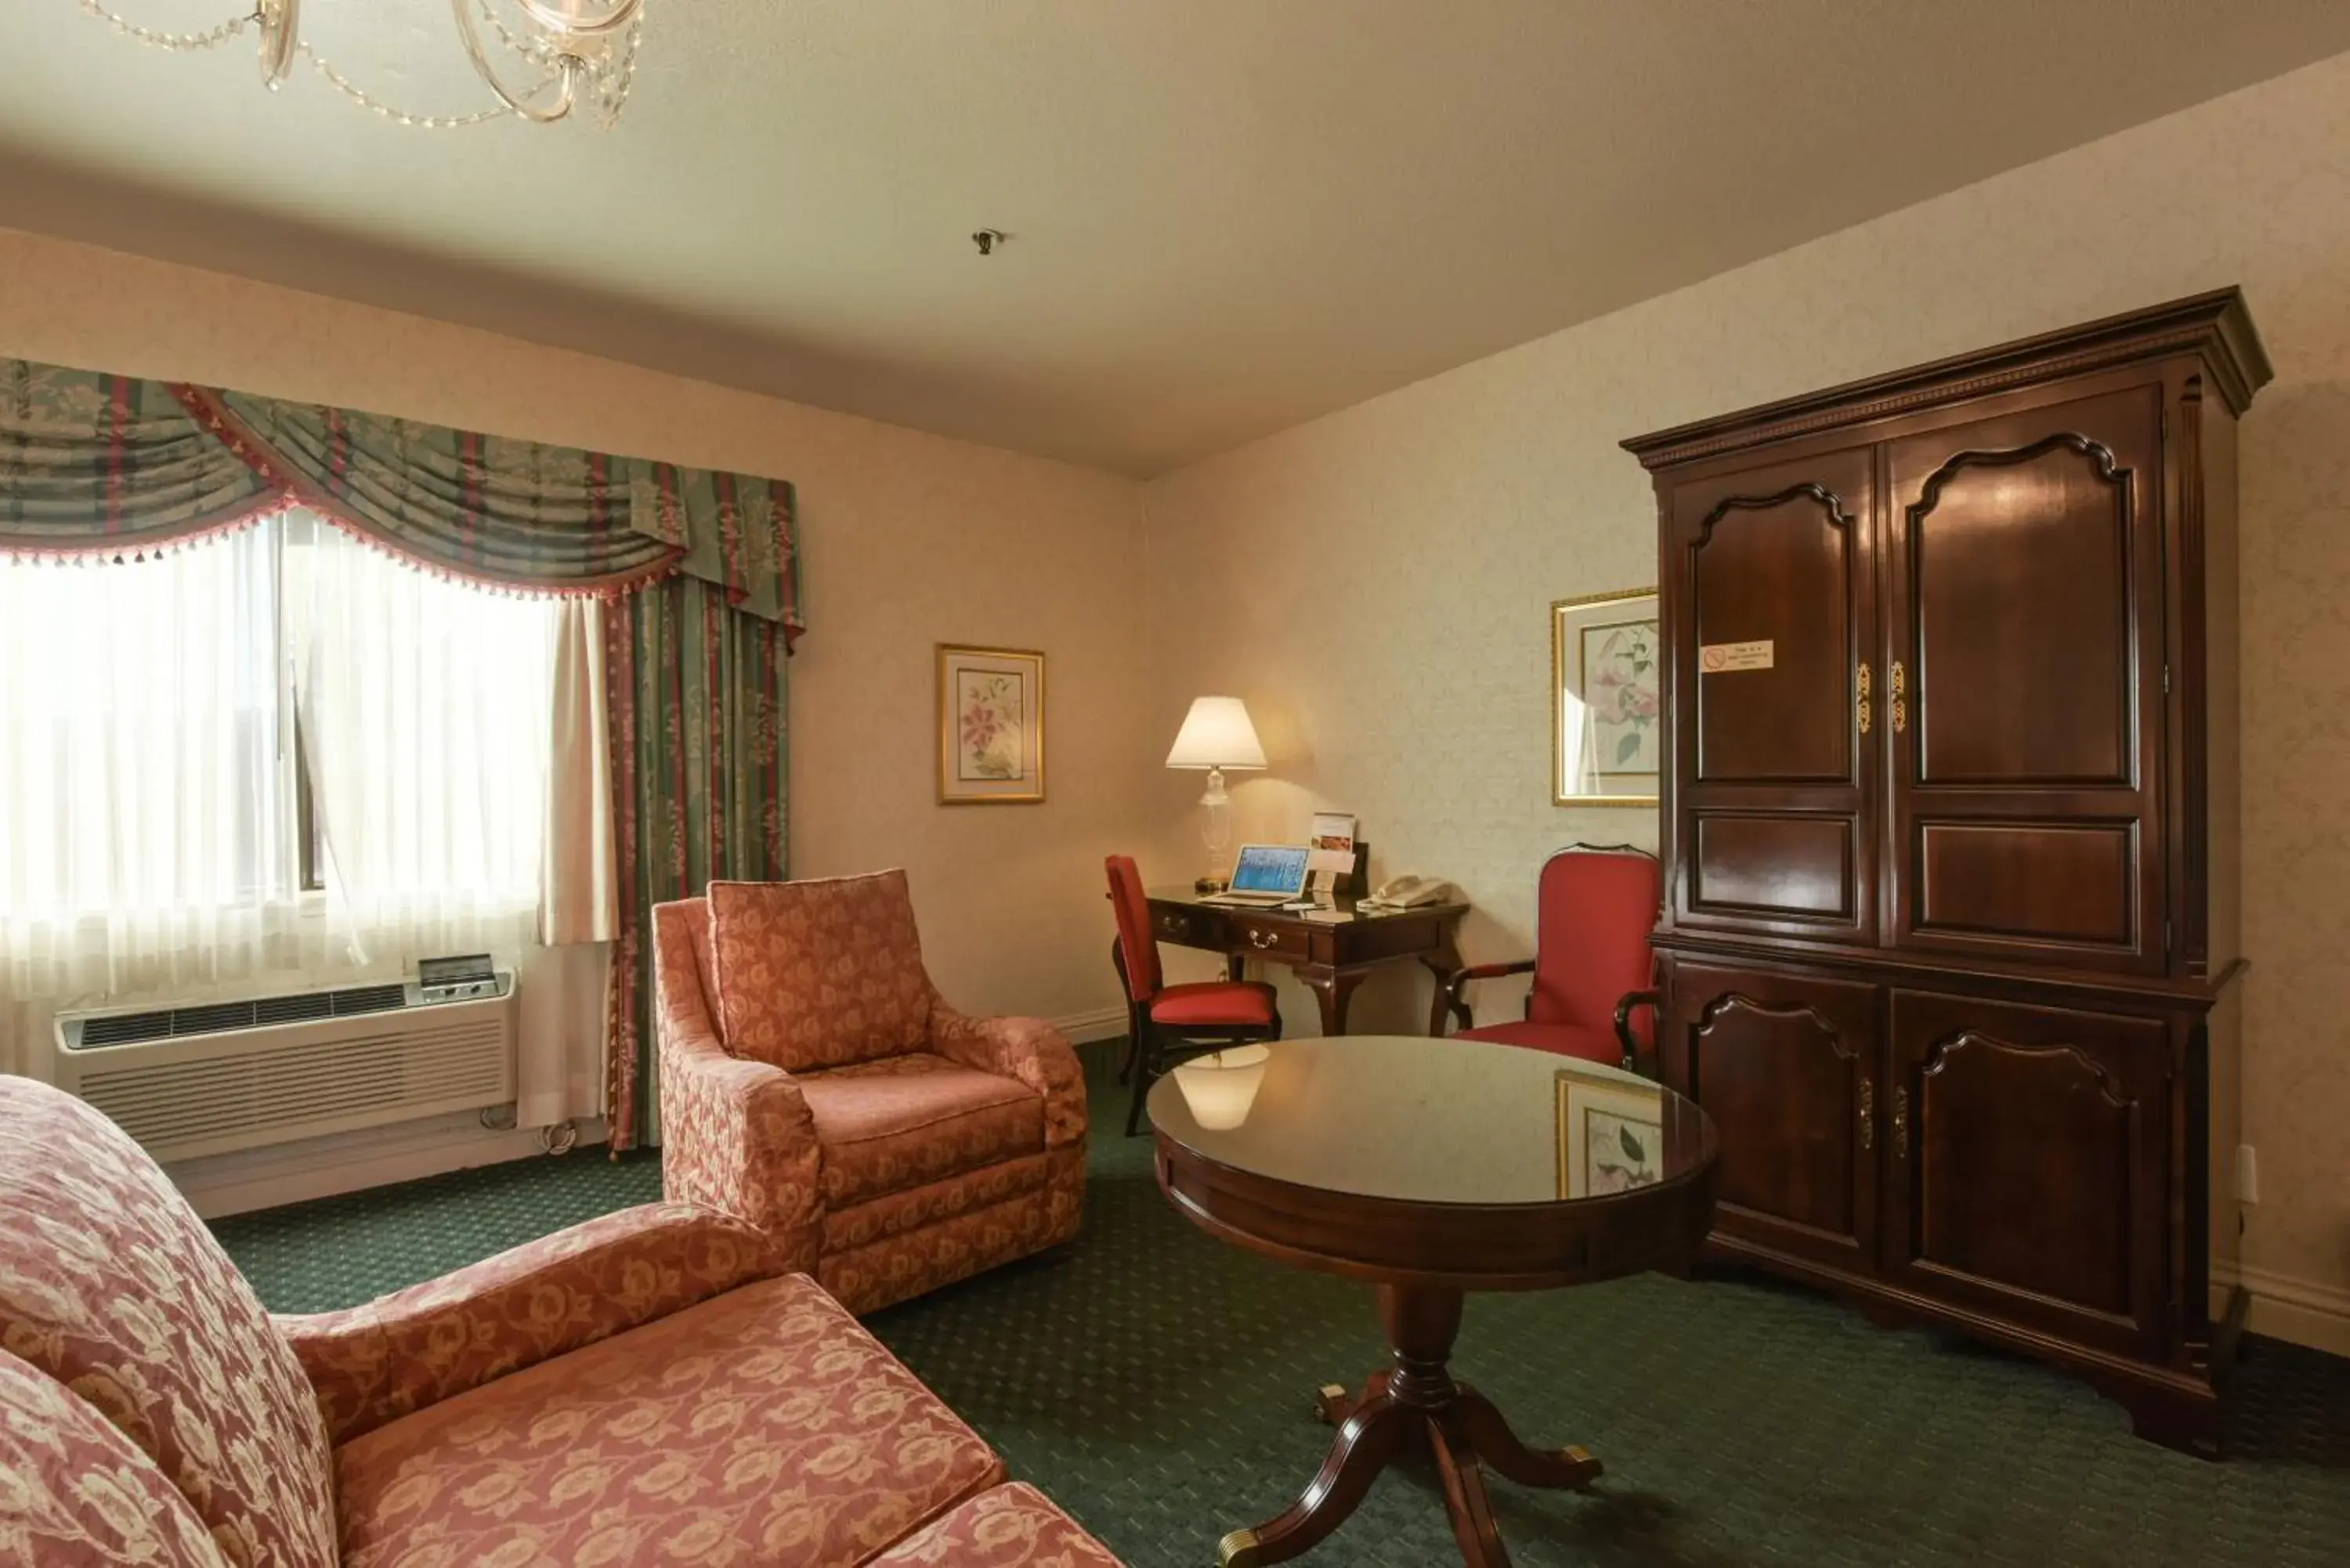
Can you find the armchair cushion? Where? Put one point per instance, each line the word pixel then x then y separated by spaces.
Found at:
pixel 1011 1527
pixel 902 1121
pixel 1565 1039
pixel 418 1346
pixel 110 1284
pixel 764 1429
pixel 819 973
pixel 1214 1004
pixel 74 1493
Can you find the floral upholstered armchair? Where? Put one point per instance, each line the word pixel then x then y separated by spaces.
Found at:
pixel 641 1388
pixel 814 1084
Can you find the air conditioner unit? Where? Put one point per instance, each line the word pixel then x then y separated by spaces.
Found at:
pixel 214 1076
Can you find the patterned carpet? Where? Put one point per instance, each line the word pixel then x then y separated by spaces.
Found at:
pixel 1155 1383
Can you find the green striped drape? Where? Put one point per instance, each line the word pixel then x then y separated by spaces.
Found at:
pixel 699 783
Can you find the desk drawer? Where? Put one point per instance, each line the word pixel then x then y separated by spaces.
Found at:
pixel 1185 927
pixel 1274 939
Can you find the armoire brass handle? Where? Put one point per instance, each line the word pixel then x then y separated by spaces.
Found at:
pixel 1867 1112
pixel 1901 1123
pixel 1900 698
pixel 1861 706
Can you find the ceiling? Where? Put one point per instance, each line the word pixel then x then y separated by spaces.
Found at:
pixel 1226 216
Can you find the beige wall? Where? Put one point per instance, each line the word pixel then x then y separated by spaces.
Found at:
pixel 1374 583
pixel 911 539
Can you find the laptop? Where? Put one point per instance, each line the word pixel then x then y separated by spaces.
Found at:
pixel 1265 875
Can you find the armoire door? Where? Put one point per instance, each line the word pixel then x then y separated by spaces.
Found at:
pixel 2024 684
pixel 1772 618
pixel 1786 1066
pixel 2027 1164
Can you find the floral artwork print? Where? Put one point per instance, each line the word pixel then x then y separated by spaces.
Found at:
pixel 1607 718
pixel 991 725
pixel 1619 1153
pixel 1619 684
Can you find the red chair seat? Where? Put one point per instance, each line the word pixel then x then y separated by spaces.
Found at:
pixel 1562 1039
pixel 1214 1004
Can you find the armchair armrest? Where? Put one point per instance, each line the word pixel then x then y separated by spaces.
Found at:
pixel 736 1134
pixel 368 1364
pixel 1027 1049
pixel 1454 995
pixel 1651 1000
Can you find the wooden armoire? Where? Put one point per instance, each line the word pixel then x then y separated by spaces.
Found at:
pixel 1949 943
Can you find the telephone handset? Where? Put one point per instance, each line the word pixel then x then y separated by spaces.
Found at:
pixel 1411 892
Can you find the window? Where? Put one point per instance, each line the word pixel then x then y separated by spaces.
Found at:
pixel 282 707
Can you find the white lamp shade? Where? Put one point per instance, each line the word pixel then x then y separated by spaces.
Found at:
pixel 1216 733
pixel 1219 1088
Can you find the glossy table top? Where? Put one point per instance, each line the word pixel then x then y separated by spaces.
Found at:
pixel 1438 1121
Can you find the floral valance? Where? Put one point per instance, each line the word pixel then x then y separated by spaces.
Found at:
pixel 95 462
pixel 107 464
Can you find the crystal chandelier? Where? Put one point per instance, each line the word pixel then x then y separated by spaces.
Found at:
pixel 542 58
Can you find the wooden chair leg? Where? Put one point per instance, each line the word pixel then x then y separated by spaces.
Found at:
pixel 1146 1063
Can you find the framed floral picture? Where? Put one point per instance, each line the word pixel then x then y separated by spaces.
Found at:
pixel 991 726
pixel 1607 711
pixel 1611 1133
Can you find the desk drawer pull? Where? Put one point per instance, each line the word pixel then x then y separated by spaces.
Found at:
pixel 1174 925
pixel 1263 939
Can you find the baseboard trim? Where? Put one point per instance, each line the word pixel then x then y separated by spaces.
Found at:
pixel 301 1173
pixel 2285 1307
pixel 1085 1028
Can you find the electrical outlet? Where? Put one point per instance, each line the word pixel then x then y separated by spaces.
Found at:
pixel 2248 1175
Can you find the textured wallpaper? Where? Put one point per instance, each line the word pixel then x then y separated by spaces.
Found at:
pixel 1374 583
pixel 911 540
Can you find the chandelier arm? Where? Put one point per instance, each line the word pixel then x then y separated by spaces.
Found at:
pixel 572 67
pixel 556 21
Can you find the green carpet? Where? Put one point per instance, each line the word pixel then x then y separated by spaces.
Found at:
pixel 1155 1383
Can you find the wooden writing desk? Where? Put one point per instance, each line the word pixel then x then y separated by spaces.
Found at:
pixel 1331 956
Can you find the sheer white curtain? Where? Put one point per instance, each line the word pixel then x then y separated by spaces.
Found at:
pixel 430 714
pixel 148 842
pixel 424 708
pixel 141 843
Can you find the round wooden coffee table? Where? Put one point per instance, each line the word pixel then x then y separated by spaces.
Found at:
pixel 1431 1169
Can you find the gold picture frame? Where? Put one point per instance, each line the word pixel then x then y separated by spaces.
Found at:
pixel 1608 751
pixel 991 725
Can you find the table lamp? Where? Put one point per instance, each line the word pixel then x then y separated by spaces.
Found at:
pixel 1216 735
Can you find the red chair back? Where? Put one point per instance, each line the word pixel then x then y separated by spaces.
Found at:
pixel 1593 911
pixel 1135 942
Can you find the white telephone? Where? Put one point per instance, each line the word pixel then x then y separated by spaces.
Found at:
pixel 1411 892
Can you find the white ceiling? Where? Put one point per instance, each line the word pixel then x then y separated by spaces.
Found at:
pixel 1227 215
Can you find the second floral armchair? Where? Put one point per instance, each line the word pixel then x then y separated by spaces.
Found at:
pixel 814 1084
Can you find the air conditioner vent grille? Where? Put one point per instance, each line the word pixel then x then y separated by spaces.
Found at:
pixel 369 998
pixel 298 1008
pixel 275 1089
pixel 123 1028
pixel 225 1017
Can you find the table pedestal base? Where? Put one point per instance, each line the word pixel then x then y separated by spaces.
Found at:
pixel 1414 1409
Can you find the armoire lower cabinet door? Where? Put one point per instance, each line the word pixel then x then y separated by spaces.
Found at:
pixel 1785 1066
pixel 2027 1154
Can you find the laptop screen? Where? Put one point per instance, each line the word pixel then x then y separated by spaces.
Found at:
pixel 1270 868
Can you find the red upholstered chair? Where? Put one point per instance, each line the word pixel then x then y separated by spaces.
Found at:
pixel 1594 909
pixel 1171 1023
